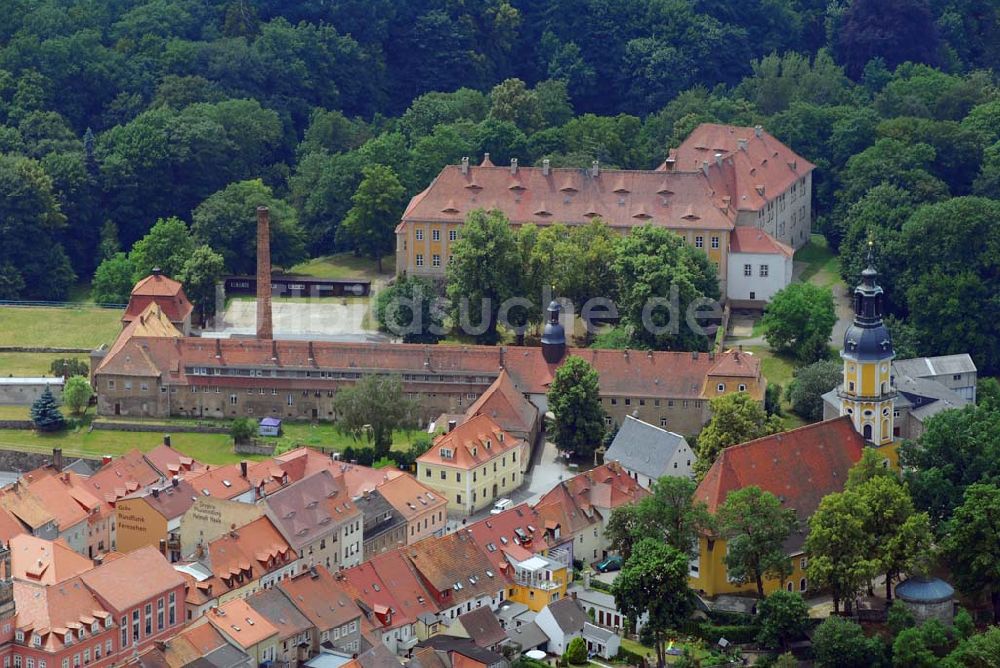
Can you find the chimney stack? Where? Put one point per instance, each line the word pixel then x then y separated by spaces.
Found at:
pixel 513 165
pixel 166 440
pixel 758 131
pixel 264 327
pixel 57 459
pixel 595 168
pixel 243 468
pixel 545 167
pixel 465 165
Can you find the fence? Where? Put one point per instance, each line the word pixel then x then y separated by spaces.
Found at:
pixel 15 302
pixel 41 349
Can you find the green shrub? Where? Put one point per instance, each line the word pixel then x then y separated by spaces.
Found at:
pixel 576 652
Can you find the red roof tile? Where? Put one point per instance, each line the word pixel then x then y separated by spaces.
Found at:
pixel 753 240
pixel 161 290
pixel 509 408
pixel 800 467
pixel 471 443
pixel 569 195
pixel 323 599
pixel 132 578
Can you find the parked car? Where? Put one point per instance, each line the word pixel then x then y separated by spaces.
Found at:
pixel 500 506
pixel 608 564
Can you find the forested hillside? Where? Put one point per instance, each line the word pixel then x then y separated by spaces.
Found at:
pixel 115 114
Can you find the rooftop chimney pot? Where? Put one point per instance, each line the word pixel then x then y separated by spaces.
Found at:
pixel 465 165
pixel 513 165
pixel 545 167
pixel 595 168
pixel 758 131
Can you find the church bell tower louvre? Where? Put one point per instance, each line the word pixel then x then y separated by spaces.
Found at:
pixel 867 394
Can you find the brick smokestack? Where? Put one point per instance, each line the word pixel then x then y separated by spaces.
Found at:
pixel 264 326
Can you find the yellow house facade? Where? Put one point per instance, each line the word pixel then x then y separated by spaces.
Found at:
pixel 708 574
pixel 538 581
pixel 799 467
pixel 473 465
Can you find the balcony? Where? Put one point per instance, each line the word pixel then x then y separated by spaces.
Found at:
pixel 536 583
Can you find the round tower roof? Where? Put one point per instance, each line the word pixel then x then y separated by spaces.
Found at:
pixel 924 590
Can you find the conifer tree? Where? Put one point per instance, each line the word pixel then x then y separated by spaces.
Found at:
pixel 45 413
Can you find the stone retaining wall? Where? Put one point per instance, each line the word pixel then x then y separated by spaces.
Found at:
pixel 159 428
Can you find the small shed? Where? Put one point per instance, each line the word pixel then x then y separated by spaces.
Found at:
pixel 270 426
pixel 927 598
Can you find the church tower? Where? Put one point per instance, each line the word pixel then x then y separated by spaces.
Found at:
pixel 867 393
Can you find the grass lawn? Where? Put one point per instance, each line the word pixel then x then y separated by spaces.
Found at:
pixel 699 652
pixel 81 442
pixel 58 327
pixel 823 266
pixel 345 265
pixel 33 364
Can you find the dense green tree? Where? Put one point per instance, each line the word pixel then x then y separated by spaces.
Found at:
pixel 321 189
pixel 799 319
pixel 377 207
pixel 839 548
pixel 45 413
pixel 810 384
pixel 662 281
pixel 373 408
pixel 671 512
pixel 783 617
pixel 943 274
pixel 972 543
pixel 653 582
pixel 201 272
pixel 483 272
pixel 841 643
pixel 227 222
pixel 77 393
pixel 33 263
pixel 242 430
pixel 977 651
pixel 956 449
pixel 113 282
pixel 166 247
pixel 921 646
pixel 894 30
pixel 756 527
pixel 574 399
pixel 409 308
pixel 68 367
pixel 736 418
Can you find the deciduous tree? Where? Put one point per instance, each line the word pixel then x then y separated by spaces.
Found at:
pixel 839 548
pixel 373 408
pixel 783 617
pixel 799 320
pixel 755 527
pixel 77 393
pixel 409 308
pixel 972 543
pixel 200 273
pixel 653 582
pixel 574 398
pixel 377 207
pixel 736 418
pixel 810 384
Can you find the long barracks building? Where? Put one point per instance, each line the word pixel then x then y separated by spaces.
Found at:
pixel 150 373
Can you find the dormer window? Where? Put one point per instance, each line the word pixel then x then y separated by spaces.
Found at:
pixel 36 640
pixel 19 636
pixel 446 453
pixel 489 444
pixel 501 437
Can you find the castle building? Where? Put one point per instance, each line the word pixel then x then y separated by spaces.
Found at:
pixel 721 179
pixel 867 394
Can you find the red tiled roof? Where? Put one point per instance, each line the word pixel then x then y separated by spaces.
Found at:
pixel 509 408
pixel 495 533
pixel 223 482
pixel 754 169
pixel 324 600
pixel 170 462
pixel 313 507
pixel 65 497
pixel 162 290
pixel 122 476
pixel 255 549
pixel 50 611
pixel 753 240
pixel 736 363
pixel 454 559
pixel 43 561
pixel 388 582
pixel 477 440
pixel 132 578
pixel 241 623
pixel 409 497
pixel 584 496
pixel 569 195
pixel 800 467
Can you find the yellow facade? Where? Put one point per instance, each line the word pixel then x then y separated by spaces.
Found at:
pixel 868 397
pixel 537 595
pixel 138 525
pixel 711 578
pixel 469 490
pixel 423 249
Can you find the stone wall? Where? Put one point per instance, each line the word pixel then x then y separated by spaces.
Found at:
pixel 14 460
pixel 159 428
